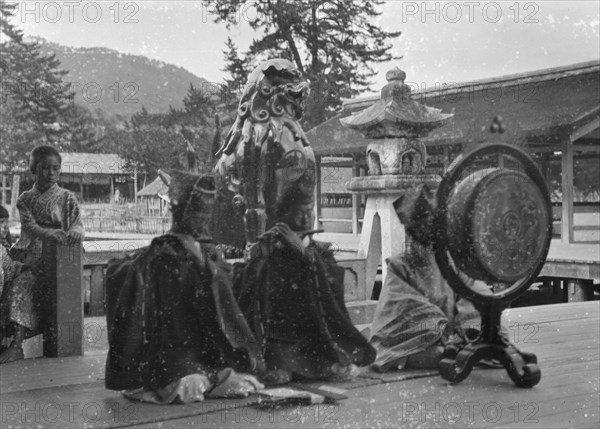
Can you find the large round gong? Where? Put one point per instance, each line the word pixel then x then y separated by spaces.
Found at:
pixel 493 225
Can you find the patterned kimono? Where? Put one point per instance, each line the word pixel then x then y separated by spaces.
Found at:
pixel 9 269
pixel 55 208
pixel 416 309
pixel 6 241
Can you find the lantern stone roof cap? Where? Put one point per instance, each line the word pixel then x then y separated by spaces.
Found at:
pixel 396 114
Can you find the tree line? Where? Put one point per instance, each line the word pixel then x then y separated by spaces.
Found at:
pixel 333 43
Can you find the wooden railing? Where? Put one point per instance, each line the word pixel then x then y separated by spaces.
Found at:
pixel 572 279
pixel 95 257
pixel 146 216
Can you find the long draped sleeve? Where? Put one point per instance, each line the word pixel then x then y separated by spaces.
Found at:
pixel 56 208
pixel 72 214
pixel 29 226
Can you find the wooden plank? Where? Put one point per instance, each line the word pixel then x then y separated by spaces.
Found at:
pixel 584 129
pixel 324 219
pixel 573 270
pixel 35 374
pixel 567 395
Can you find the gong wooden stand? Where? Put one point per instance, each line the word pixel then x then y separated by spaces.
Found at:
pixel 526 227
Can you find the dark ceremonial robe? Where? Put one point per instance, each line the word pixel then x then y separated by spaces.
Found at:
pixel 295 307
pixel 170 313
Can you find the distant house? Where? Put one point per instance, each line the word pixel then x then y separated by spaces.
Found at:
pixel 97 177
pixel 154 190
pixel 91 176
pixel 154 196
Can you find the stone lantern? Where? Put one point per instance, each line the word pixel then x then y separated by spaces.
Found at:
pixel 396 157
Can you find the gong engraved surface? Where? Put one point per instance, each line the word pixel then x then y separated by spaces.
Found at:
pixel 496 223
pixel 507 221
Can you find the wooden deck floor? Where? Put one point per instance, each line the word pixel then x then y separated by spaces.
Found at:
pixel 69 392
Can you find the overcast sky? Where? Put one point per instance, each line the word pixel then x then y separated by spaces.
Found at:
pixel 440 42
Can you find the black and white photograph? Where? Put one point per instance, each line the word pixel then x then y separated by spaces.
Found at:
pixel 299 214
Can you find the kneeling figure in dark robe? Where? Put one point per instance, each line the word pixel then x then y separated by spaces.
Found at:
pixel 291 291
pixel 176 333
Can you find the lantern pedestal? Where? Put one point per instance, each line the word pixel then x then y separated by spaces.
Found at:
pixel 382 232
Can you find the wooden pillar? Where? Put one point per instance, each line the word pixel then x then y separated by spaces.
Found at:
pixel 318 208
pixel 16 181
pixel 63 324
pixel 112 189
pixel 3 189
pixel 81 187
pixel 356 198
pixel 545 167
pixel 567 192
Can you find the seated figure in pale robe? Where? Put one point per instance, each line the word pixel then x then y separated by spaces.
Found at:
pixel 418 313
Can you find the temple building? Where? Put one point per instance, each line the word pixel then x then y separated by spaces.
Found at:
pixel 93 177
pixel 554 113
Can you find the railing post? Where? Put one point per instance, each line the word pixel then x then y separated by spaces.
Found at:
pixel 97 291
pixel 63 327
pixel 566 234
pixel 318 205
pixel 355 198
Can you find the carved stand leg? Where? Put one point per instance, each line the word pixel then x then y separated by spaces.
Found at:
pixel 456 364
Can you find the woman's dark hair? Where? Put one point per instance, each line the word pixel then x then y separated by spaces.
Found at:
pixel 39 153
pixel 3 213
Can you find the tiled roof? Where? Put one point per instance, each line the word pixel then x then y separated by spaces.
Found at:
pixel 537 108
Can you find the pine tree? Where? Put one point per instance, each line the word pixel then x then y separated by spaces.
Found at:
pixel 237 70
pixel 332 42
pixel 34 95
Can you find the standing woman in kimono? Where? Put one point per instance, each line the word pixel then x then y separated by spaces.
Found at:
pixel 48 213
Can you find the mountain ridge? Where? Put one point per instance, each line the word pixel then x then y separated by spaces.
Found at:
pixel 120 83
